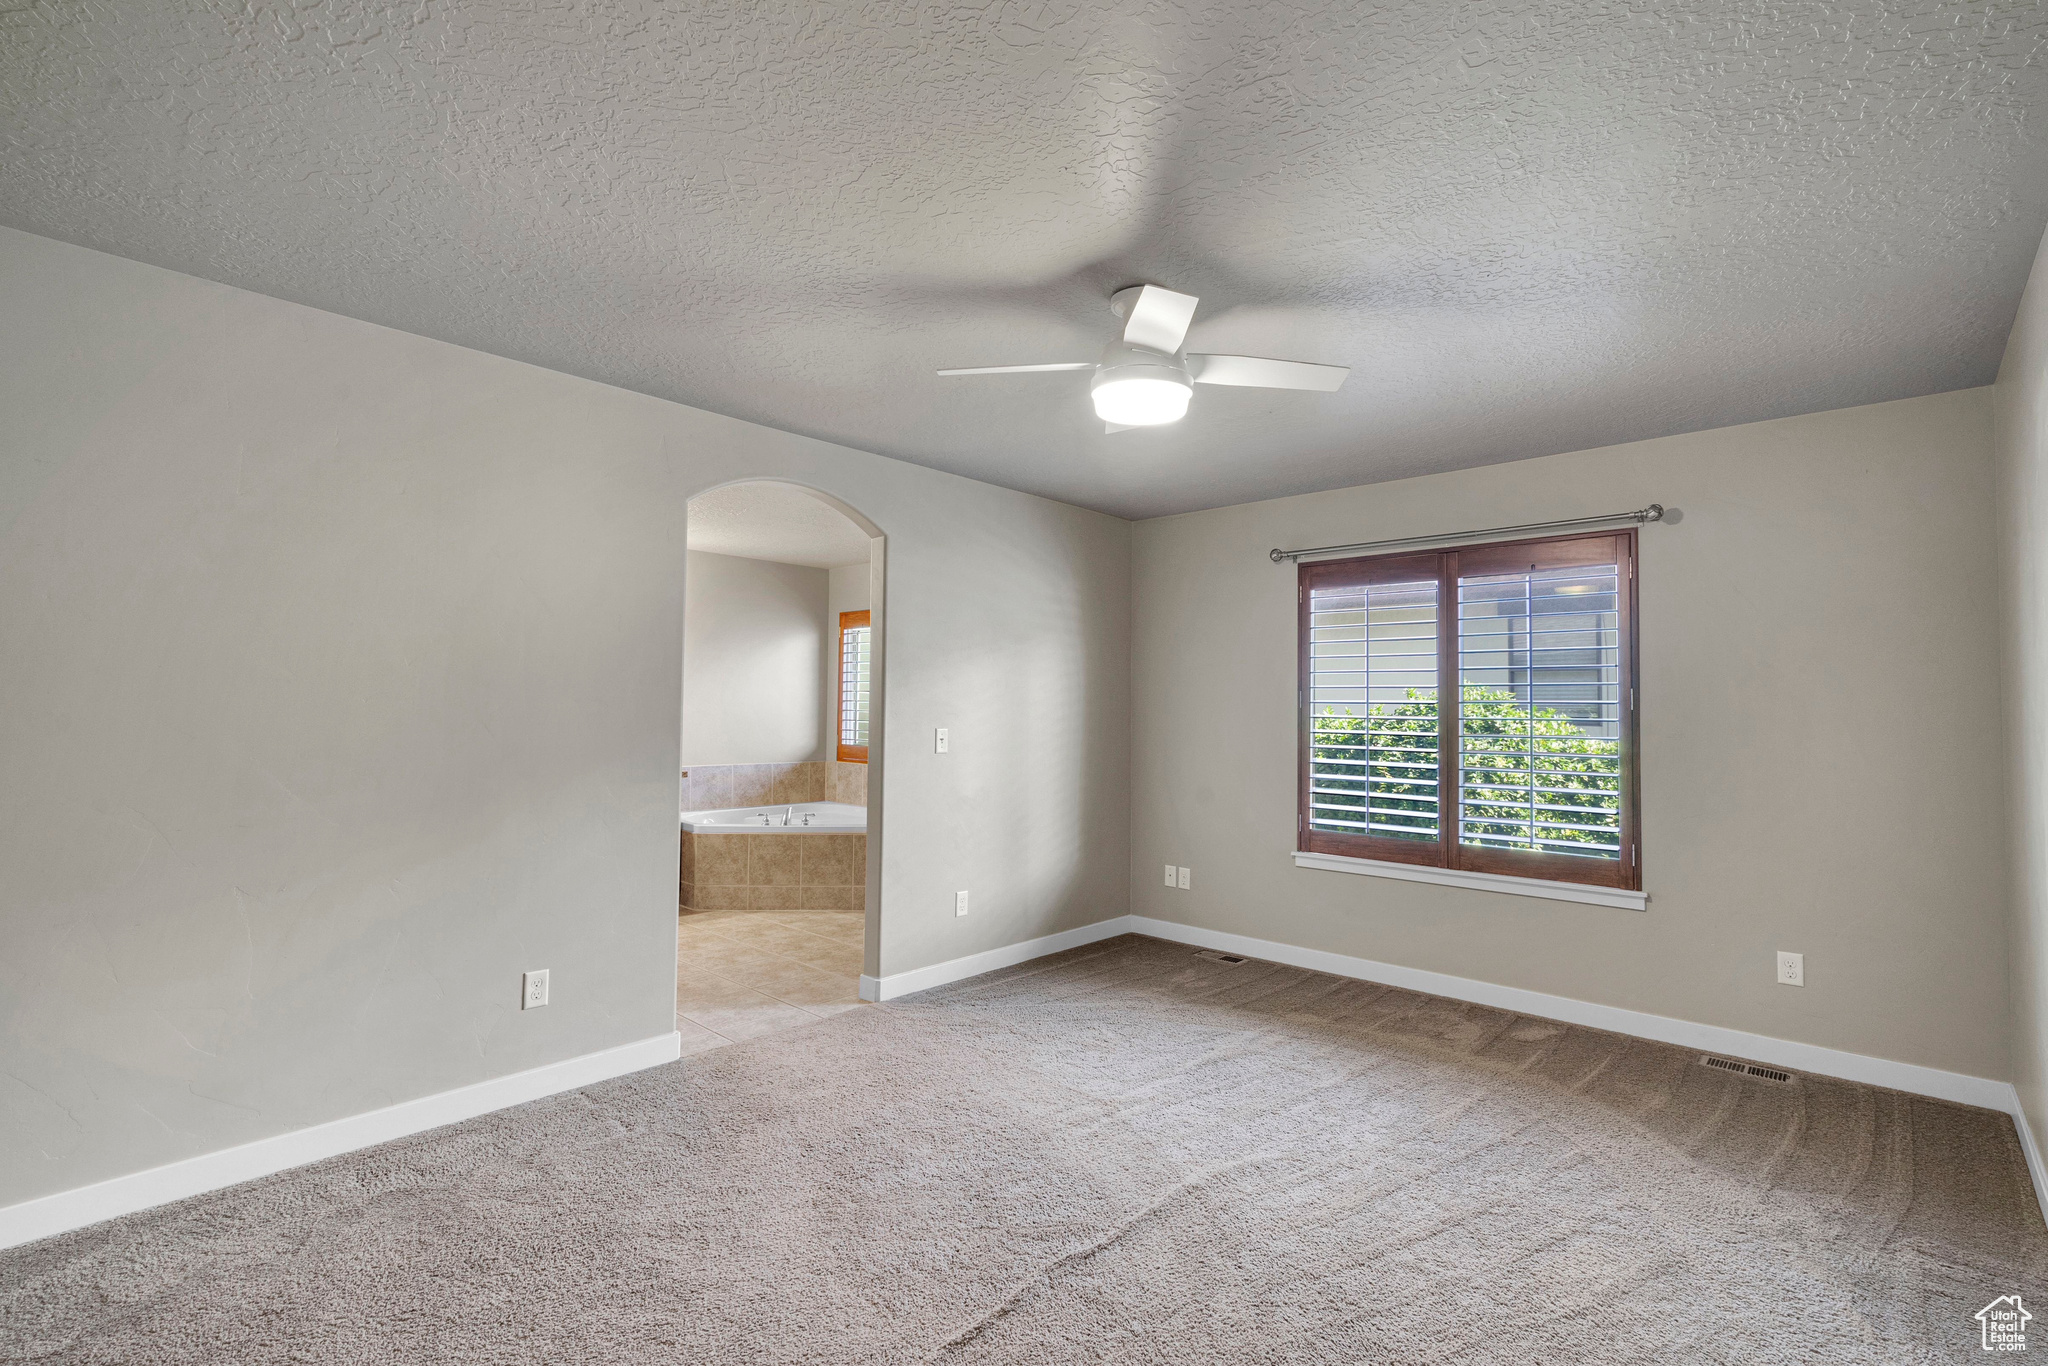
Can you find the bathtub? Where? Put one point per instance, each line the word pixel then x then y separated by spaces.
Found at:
pixel 824 818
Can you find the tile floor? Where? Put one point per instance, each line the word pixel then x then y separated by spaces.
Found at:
pixel 742 974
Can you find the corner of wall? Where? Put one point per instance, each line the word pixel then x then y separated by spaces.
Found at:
pixel 2020 447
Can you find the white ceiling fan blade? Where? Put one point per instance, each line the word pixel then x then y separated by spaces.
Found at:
pixel 1256 372
pixel 1159 319
pixel 1021 369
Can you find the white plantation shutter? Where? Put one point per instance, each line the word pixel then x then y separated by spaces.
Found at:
pixel 1372 668
pixel 855 647
pixel 1373 709
pixel 1539 734
pixel 1527 765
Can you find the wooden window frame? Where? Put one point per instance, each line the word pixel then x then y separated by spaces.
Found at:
pixel 1446 566
pixel 851 754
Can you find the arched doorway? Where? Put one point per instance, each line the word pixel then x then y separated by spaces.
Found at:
pixel 781 752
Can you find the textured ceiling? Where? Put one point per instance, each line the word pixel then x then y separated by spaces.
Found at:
pixel 1527 227
pixel 770 521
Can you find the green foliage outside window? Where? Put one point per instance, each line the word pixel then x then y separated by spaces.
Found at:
pixel 1503 742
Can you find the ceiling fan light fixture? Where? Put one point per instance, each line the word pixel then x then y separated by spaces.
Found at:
pixel 1141 400
pixel 1137 387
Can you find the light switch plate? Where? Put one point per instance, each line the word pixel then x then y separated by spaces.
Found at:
pixel 942 740
pixel 533 989
pixel 1172 876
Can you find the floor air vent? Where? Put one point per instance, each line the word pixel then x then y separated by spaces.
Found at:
pixel 1745 1069
pixel 1215 957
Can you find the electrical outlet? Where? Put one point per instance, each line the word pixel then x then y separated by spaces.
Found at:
pixel 942 740
pixel 1792 969
pixel 1172 876
pixel 1183 879
pixel 533 989
pixel 959 903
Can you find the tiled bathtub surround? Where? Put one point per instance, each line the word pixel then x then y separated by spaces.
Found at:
pixel 846 783
pixel 772 872
pixel 708 787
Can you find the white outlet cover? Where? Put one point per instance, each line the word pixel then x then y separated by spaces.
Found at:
pixel 533 989
pixel 959 903
pixel 1185 880
pixel 1172 876
pixel 1792 969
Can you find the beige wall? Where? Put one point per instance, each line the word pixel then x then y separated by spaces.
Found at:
pixel 1819 733
pixel 849 589
pixel 755 642
pixel 341 684
pixel 2021 433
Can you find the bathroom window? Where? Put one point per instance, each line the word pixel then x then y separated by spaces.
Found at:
pixel 855 648
pixel 1474 709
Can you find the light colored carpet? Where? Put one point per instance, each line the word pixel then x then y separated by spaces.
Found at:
pixel 1124 1154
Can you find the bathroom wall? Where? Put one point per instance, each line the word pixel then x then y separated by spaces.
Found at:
pixel 756 639
pixel 847 590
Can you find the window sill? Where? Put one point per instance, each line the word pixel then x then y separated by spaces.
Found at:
pixel 1482 882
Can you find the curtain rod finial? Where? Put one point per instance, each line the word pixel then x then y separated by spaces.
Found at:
pixel 1277 554
pixel 1654 513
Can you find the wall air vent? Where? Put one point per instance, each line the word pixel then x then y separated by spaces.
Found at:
pixel 1745 1069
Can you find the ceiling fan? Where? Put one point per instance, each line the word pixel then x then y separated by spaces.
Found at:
pixel 1144 379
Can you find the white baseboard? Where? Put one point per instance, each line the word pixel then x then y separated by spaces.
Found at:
pixel 1959 1087
pixel 57 1213
pixel 974 964
pixel 2035 1167
pixel 39 1218
pixel 1800 1057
